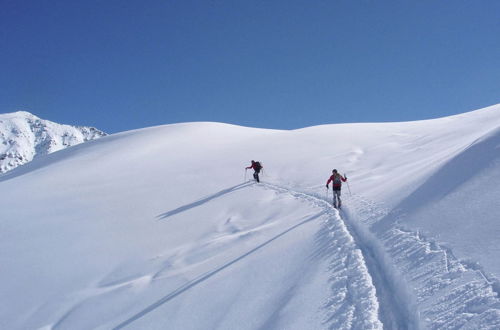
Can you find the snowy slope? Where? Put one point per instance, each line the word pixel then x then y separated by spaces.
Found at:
pixel 157 228
pixel 24 136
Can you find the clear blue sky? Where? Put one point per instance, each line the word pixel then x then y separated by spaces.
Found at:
pixel 124 64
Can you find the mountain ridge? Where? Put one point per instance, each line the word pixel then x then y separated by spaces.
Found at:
pixel 24 136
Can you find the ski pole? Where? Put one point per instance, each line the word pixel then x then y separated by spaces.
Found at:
pixel 350 194
pixel 349 188
pixel 245 180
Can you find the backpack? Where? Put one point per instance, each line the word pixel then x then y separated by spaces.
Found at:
pixel 258 166
pixel 336 180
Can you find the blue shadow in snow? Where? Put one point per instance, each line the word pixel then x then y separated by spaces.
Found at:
pixel 203 277
pixel 203 200
pixel 456 172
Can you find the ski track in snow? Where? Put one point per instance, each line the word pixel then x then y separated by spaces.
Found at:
pixel 449 293
pixel 392 306
pixel 353 303
pixel 419 284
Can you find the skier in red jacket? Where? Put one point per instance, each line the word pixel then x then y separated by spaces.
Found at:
pixel 256 167
pixel 336 180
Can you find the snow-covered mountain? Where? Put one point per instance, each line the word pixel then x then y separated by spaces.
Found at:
pixel 166 231
pixel 24 136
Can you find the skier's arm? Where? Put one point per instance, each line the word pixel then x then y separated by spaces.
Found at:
pixel 343 179
pixel 329 180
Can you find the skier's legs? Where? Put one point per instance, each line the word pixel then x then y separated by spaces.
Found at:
pixel 256 176
pixel 336 198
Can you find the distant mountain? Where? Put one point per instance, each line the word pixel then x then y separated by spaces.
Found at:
pixel 24 136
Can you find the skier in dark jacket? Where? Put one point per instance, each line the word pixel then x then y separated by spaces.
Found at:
pixel 336 180
pixel 256 167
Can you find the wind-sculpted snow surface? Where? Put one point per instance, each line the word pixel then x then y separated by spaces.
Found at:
pixel 156 229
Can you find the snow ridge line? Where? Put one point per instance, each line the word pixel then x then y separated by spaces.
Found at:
pixel 450 293
pixel 354 303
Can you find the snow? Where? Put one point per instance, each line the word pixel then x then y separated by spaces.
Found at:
pixel 157 228
pixel 24 136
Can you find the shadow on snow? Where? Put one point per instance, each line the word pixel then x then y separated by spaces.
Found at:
pixel 203 200
pixel 209 274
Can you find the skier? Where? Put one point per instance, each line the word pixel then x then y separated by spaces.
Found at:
pixel 336 180
pixel 256 167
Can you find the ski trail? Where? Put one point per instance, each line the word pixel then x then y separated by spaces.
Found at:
pixel 389 313
pixel 395 306
pixel 448 292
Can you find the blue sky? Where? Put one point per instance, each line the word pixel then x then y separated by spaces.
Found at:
pixel 119 65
